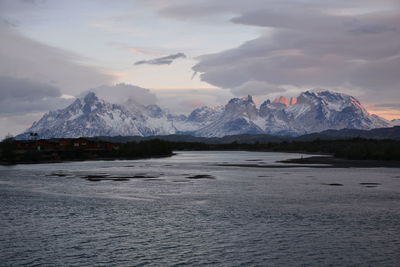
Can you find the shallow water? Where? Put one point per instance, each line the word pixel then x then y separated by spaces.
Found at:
pixel 185 210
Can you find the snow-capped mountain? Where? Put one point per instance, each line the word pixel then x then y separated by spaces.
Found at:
pixel 238 117
pixel 309 112
pixel 91 116
pixel 319 111
pixel 396 122
pixel 199 118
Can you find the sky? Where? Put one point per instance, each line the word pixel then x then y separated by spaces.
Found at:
pixel 182 54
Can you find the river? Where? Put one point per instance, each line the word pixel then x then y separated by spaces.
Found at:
pixel 191 210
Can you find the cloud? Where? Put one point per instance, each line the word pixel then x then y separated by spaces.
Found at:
pixel 338 45
pixel 120 93
pixel 372 29
pixel 21 96
pixel 34 76
pixel 136 50
pixel 256 88
pixel 162 60
pixel 304 54
pixel 14 12
pixel 142 52
pixel 184 100
pixel 186 10
pixel 388 105
pixel 24 58
pixel 22 88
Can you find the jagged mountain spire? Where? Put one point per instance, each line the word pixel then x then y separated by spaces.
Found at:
pixel 282 100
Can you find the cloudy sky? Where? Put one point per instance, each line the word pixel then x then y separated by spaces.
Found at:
pixel 182 54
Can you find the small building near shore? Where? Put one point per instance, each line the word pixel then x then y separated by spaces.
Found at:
pixel 65 144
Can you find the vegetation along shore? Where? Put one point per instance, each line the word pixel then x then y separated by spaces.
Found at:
pixel 78 149
pixel 357 152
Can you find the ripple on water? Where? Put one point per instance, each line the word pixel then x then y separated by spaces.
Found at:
pixel 222 216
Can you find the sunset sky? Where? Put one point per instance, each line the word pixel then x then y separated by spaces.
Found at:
pixel 188 53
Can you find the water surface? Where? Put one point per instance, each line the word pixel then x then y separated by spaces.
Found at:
pixel 166 214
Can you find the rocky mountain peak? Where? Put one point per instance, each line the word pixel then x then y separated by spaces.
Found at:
pixel 90 98
pixel 282 100
pixel 247 98
pixel 242 101
pixel 244 107
pixel 202 114
pixel 155 111
pixel 90 102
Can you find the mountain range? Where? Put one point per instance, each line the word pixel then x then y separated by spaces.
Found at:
pixel 392 133
pixel 310 112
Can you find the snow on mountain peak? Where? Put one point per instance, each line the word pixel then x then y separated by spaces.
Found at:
pixel 309 112
pixel 241 107
pixel 396 122
pixel 204 114
pixel 242 101
pixel 155 111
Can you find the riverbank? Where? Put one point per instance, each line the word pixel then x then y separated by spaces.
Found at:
pixel 4 163
pixel 56 151
pixel 333 162
pixel 345 153
pixel 320 162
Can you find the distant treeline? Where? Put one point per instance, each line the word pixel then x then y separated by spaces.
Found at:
pixel 356 148
pixel 12 153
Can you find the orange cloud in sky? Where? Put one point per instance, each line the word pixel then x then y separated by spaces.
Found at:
pixel 384 112
pixel 388 114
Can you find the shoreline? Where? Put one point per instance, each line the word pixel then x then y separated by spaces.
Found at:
pixel 321 162
pixel 2 163
pixel 327 161
pixel 343 163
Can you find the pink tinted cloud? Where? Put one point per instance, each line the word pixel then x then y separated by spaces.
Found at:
pixel 143 52
pixel 194 103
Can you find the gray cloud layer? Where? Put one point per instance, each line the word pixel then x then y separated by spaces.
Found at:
pixel 120 93
pixel 24 58
pixel 25 89
pixel 388 105
pixel 326 44
pixel 33 76
pixel 21 96
pixel 167 60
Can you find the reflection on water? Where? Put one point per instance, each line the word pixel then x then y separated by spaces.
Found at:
pixel 188 210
